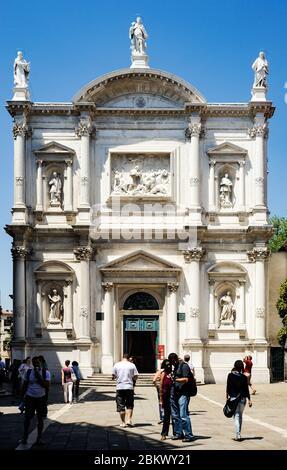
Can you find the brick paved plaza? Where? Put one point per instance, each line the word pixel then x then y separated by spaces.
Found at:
pixel 93 424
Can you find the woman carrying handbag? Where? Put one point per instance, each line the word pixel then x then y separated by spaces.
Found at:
pixel 237 389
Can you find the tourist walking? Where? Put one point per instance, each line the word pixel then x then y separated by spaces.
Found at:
pixel 67 382
pixel 76 370
pixel 36 381
pixel 179 399
pixel 186 359
pixel 125 373
pixel 237 389
pixel 164 396
pixel 156 382
pixel 248 364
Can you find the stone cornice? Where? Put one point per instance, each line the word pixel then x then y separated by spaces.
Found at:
pixel 203 109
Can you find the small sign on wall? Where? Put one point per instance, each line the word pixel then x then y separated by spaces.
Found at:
pixel 160 352
pixel 99 316
pixel 180 316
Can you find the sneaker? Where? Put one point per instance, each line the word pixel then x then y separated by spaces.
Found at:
pixel 176 438
pixel 130 424
pixel 162 438
pixel 123 425
pixel 188 439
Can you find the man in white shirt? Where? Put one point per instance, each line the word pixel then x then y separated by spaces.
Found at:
pixel 187 360
pixel 126 374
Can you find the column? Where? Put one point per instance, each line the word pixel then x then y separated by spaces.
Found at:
pixel 39 194
pixel 259 131
pixel 259 256
pixel 84 255
pixel 211 186
pixel 84 131
pixel 19 254
pixel 242 322
pixel 241 186
pixel 19 132
pixel 108 328
pixel 171 320
pixel 68 304
pixel 39 305
pixel 68 196
pixel 211 322
pixel 193 132
pixel 193 257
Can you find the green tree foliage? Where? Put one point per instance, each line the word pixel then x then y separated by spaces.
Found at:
pixel 280 235
pixel 281 306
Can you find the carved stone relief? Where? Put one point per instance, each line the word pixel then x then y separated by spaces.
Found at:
pixel 141 175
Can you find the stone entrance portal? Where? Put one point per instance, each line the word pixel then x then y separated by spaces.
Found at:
pixel 141 334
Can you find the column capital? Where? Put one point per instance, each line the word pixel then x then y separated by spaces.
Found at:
pixel 20 128
pixel 84 253
pixel 85 128
pixel 69 162
pixel 194 129
pixel 258 130
pixel 20 252
pixel 194 254
pixel 258 254
pixel 39 162
pixel 172 286
pixel 107 286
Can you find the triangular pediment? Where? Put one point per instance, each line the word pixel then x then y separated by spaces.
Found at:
pixel 54 148
pixel 140 261
pixel 227 148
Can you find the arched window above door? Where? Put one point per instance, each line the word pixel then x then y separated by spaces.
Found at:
pixel 141 301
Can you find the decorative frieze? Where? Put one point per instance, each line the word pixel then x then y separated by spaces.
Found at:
pixel 84 253
pixel 172 286
pixel 194 312
pixel 194 254
pixel 260 312
pixel 84 311
pixel 258 254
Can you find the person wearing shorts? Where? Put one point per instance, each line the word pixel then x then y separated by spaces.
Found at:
pixel 125 373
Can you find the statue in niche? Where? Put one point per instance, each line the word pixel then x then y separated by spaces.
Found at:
pixel 261 69
pixel 56 307
pixel 138 36
pixel 55 190
pixel 225 191
pixel 21 71
pixel 227 308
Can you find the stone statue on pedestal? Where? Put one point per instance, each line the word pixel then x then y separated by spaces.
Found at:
pixel 21 71
pixel 227 311
pixel 225 191
pixel 138 36
pixel 261 69
pixel 55 190
pixel 56 307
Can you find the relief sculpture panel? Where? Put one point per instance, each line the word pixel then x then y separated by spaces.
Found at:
pixel 141 175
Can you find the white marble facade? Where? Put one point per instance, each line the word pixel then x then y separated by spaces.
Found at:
pixel 141 137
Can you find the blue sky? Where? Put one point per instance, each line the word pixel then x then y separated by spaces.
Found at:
pixel 211 44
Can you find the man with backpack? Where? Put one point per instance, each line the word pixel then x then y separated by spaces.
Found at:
pixel 181 390
pixel 36 382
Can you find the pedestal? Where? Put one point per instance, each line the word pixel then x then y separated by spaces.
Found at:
pixel 139 61
pixel 21 94
pixel 258 93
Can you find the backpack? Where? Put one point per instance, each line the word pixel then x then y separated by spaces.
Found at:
pixel 190 387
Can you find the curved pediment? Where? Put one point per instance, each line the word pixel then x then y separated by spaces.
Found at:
pixel 139 88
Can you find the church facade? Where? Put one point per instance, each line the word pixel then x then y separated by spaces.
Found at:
pixel 140 225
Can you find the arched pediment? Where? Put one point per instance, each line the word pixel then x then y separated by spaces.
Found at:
pixel 227 271
pixel 140 88
pixel 54 270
